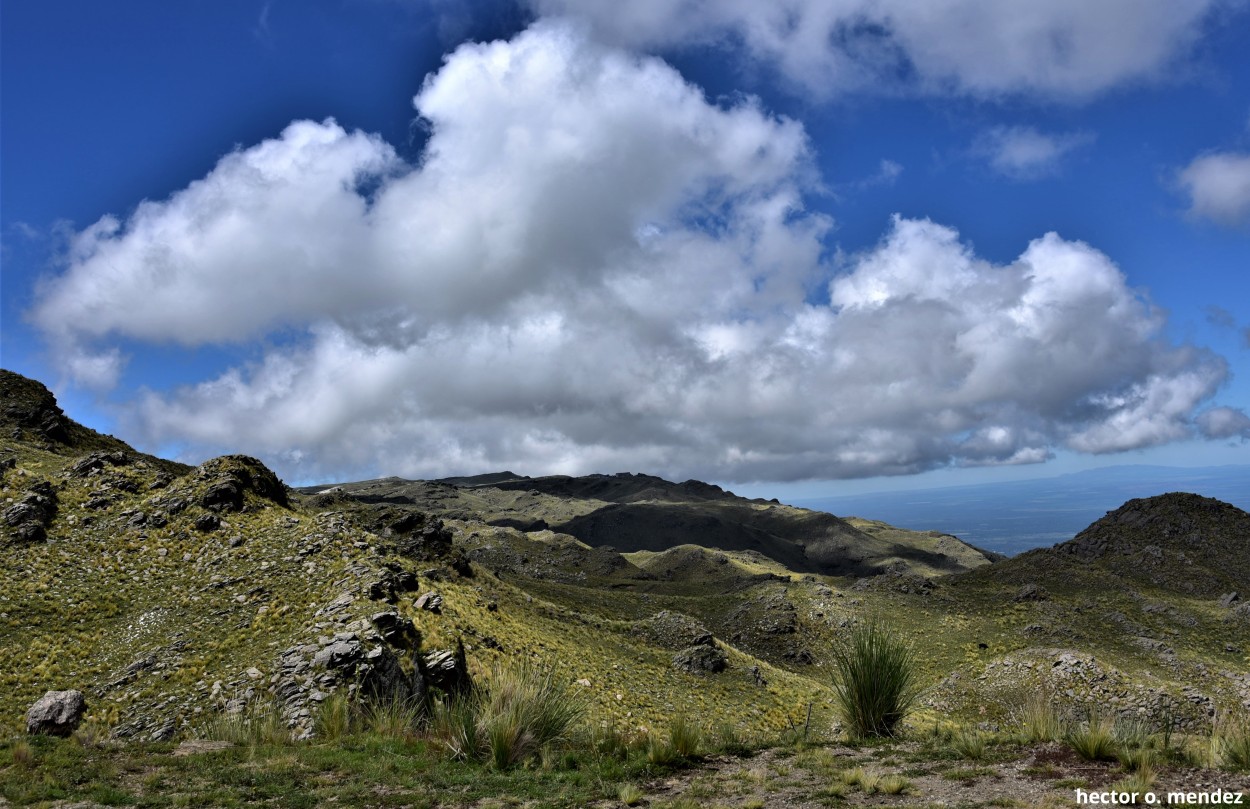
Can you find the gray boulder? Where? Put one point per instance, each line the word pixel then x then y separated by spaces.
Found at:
pixel 701 660
pixel 56 713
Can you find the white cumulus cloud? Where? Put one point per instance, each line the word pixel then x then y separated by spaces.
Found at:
pixel 1064 49
pixel 1218 186
pixel 593 268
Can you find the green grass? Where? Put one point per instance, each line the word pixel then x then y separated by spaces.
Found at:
pixel 875 680
pixel 258 723
pixel 360 768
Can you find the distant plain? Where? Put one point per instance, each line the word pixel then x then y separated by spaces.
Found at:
pixel 1012 517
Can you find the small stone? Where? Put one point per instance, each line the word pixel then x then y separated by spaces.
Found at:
pixel 432 602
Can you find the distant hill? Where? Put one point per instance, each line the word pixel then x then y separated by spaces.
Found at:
pixel 1177 542
pixel 1014 516
pixel 632 512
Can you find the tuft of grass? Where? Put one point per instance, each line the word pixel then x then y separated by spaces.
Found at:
pixel 23 754
pixel 334 719
pixel 1230 743
pixel 875 683
pixel 524 710
pixel 258 723
pixel 1136 758
pixel 852 777
pixel 453 724
pixel 1139 782
pixel 893 785
pixel 630 794
pixel 728 741
pixel 685 737
pixel 391 719
pixel 91 735
pixel 660 750
pixel 1094 741
pixel 1042 723
pixel 969 744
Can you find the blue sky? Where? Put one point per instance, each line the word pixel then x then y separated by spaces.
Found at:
pixel 769 245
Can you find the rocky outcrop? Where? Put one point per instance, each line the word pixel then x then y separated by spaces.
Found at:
pixel 701 659
pixel 56 713
pixel 29 518
pixel 228 477
pixel 1078 684
pixel 30 410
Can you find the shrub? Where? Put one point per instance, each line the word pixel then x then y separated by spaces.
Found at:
pixel 875 682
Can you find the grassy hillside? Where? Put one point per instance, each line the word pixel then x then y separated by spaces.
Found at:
pixel 170 593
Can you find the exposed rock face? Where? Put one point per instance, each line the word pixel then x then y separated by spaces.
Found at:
pixel 702 659
pixel 30 517
pixel 96 462
pixel 432 602
pixel 56 713
pixel 448 670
